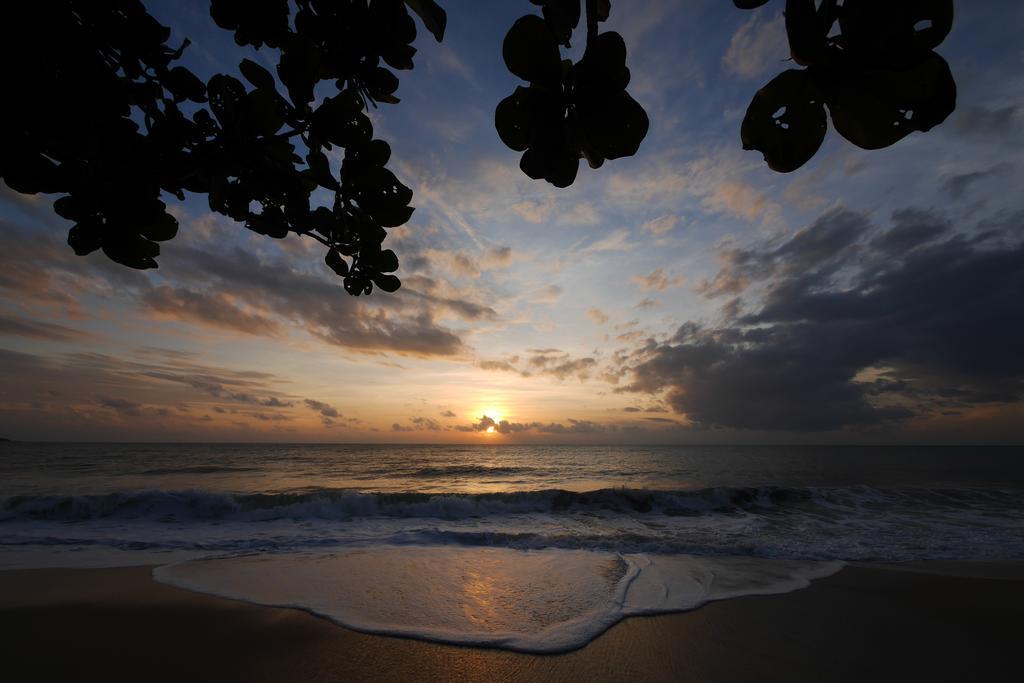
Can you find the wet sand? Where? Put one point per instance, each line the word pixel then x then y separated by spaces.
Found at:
pixel 931 621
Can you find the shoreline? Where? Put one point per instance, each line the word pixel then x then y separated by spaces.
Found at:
pixel 936 620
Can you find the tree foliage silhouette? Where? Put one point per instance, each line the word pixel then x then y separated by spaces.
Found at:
pixel 101 114
pixel 569 111
pixel 878 75
pixel 106 119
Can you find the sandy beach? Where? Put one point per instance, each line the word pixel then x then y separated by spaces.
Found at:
pixel 931 621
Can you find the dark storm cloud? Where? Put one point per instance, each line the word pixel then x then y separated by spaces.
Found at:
pixel 205 282
pixel 73 396
pixel 16 326
pixel 1002 122
pixel 957 186
pixel 325 409
pixel 426 424
pixel 419 424
pixel 571 426
pixel 121 406
pixel 216 309
pixel 423 288
pixel 551 362
pixel 223 386
pixel 316 302
pixel 856 326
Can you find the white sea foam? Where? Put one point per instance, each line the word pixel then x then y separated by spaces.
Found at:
pixel 549 600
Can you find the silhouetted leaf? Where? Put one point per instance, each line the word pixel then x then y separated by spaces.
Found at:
pixel 807 33
pixel 389 283
pixel 432 16
pixel 33 173
pixel 881 33
pixel 386 261
pixel 185 85
pixel 271 222
pixel 85 238
pixel 68 207
pixel 375 153
pixel 785 121
pixel 254 23
pixel 531 52
pixel 340 120
pixel 514 118
pixel 876 108
pixel 132 250
pixel 603 67
pixel 336 263
pixel 256 74
pixel 321 169
pixel 225 93
pixel 299 69
pixel 161 228
pixel 562 16
pixel 262 112
pixel 551 157
pixel 382 84
pixel 614 126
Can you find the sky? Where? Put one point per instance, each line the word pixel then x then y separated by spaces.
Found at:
pixel 687 294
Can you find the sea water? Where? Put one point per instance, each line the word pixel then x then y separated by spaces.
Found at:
pixel 530 548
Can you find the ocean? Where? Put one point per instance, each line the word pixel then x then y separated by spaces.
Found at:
pixel 531 548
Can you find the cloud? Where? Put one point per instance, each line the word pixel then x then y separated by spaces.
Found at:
pixel 986 122
pixel 425 424
pixel 644 305
pixel 497 257
pixel 503 365
pixel 548 294
pixel 757 47
pixel 618 241
pixel 582 213
pixel 826 239
pixel 169 397
pixel 661 225
pixel 17 326
pixel 658 280
pixel 743 201
pixel 402 323
pixel 450 59
pixel 216 309
pixel 597 316
pixel 205 281
pixel 447 413
pixel 560 365
pixel 533 212
pixel 855 326
pixel 547 362
pixel 325 409
pixel 121 406
pixel 571 426
pixel 958 185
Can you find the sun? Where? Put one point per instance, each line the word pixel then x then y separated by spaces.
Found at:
pixel 493 413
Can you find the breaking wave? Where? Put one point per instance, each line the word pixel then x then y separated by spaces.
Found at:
pixel 346 504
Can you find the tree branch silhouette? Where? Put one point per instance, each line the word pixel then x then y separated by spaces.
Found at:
pixel 104 117
pixel 878 75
